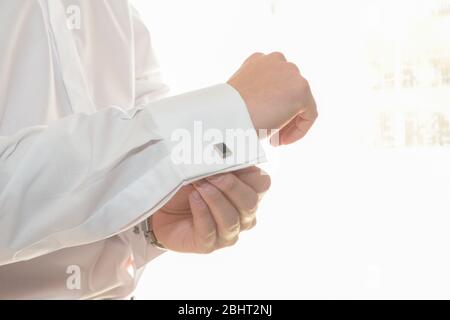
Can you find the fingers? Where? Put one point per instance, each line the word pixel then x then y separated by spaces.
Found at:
pixel 205 233
pixel 294 67
pixel 243 197
pixel 293 131
pixel 255 178
pixel 224 205
pixel 225 215
pixel 297 128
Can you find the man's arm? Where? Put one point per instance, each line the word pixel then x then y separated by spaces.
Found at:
pixel 88 177
pixel 85 178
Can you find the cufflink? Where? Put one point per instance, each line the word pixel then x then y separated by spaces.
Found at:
pixel 223 150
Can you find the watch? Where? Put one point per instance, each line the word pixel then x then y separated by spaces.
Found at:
pixel 150 234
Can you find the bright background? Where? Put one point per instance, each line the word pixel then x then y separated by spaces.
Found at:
pixel 361 207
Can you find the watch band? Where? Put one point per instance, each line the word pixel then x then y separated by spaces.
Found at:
pixel 150 234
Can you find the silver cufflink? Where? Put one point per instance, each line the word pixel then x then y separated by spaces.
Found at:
pixel 223 150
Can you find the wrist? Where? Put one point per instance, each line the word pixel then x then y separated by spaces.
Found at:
pixel 149 233
pixel 250 104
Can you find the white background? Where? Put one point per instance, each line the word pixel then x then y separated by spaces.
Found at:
pixel 347 217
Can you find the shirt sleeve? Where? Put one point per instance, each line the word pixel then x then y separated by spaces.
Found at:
pixel 85 178
pixel 149 84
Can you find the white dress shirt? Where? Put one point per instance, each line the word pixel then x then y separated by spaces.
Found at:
pixel 85 147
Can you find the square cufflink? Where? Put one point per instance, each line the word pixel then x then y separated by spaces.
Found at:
pixel 223 150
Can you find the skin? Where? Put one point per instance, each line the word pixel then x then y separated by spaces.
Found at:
pixel 277 96
pixel 210 214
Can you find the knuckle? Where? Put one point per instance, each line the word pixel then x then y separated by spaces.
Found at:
pixel 210 237
pixel 228 233
pixel 316 113
pixel 293 67
pixel 278 55
pixel 247 222
pixel 233 229
pixel 304 85
pixel 230 242
pixel 301 86
pixel 234 241
pixel 206 247
pixel 206 243
pixel 254 56
pixel 230 226
pixel 250 224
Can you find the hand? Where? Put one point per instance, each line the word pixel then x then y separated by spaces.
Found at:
pixel 209 215
pixel 277 96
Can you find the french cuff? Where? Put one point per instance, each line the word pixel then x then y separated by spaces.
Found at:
pixel 207 132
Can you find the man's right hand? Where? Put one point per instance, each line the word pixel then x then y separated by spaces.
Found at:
pixel 277 96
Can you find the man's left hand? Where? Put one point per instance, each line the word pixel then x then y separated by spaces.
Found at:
pixel 210 214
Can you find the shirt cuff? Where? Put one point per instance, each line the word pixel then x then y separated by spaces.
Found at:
pixel 206 132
